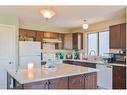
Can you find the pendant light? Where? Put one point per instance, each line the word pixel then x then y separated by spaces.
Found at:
pixel 85 25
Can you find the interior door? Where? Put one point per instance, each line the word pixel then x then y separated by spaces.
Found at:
pixel 7 52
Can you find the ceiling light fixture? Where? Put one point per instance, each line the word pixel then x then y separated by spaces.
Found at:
pixel 47 13
pixel 85 25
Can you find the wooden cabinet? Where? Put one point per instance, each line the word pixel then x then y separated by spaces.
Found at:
pixel 68 41
pixel 22 34
pixel 60 83
pixel 90 81
pixel 91 65
pixel 68 62
pixel 87 81
pixel 119 77
pixel 50 35
pixel 117 36
pixel 76 82
pixel 39 36
pixel 82 81
pixel 77 40
pixel 60 37
pixel 31 33
pixel 123 36
pixel 25 34
pixel 36 85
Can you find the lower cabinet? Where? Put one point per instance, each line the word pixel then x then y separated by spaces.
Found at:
pixel 83 81
pixel 91 65
pixel 119 77
pixel 76 82
pixel 60 83
pixel 36 85
pixel 91 81
pixel 87 81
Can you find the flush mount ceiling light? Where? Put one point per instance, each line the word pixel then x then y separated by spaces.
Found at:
pixel 47 13
pixel 85 25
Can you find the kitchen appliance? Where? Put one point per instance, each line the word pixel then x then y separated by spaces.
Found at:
pixel 120 58
pixel 104 76
pixel 29 52
pixel 108 57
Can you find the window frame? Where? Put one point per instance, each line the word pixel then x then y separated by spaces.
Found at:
pixel 98 50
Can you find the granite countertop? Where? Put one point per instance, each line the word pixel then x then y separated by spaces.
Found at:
pixel 97 62
pixel 24 76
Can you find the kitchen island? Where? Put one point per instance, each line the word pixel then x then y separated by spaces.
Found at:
pixel 63 76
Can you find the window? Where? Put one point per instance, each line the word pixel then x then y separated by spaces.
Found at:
pixel 98 43
pixel 92 43
pixel 103 43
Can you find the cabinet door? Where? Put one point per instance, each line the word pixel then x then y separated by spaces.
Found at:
pixel 67 41
pixel 36 85
pixel 123 36
pixel 22 34
pixel 119 77
pixel 76 82
pixel 75 40
pixel 31 33
pixel 60 83
pixel 115 37
pixel 81 40
pixel 39 36
pixel 91 81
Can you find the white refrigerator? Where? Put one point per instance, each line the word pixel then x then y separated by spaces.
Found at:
pixel 29 52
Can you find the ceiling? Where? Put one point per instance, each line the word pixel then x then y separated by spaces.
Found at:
pixel 66 16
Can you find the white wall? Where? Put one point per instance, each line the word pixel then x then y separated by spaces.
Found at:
pixel 43 27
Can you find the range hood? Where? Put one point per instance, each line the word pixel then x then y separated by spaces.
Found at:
pixel 51 41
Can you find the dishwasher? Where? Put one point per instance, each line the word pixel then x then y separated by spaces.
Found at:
pixel 104 76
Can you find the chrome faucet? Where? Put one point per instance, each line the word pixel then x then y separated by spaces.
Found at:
pixel 93 52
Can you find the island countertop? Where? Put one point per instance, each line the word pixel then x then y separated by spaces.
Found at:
pixel 23 75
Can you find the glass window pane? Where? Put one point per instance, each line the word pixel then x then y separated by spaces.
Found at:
pixel 103 43
pixel 92 43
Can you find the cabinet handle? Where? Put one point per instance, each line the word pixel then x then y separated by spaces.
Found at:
pixel 49 82
pixel 46 85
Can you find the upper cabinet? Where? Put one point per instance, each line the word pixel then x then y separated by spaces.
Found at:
pixel 77 41
pixel 117 36
pixel 27 35
pixel 51 35
pixel 22 34
pixel 68 41
pixel 39 36
pixel 123 36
